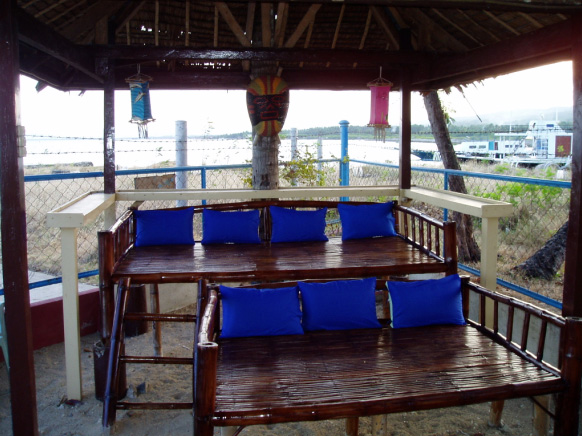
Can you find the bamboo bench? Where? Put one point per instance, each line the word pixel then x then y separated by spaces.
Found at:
pixel 353 373
pixel 423 245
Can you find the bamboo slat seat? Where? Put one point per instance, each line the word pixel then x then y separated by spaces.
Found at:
pixel 326 375
pixel 282 261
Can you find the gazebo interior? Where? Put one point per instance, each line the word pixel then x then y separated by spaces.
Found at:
pixel 420 45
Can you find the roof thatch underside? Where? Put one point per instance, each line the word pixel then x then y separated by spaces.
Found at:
pixel 321 44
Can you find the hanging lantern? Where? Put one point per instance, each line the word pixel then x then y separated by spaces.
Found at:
pixel 141 111
pixel 380 89
pixel 267 104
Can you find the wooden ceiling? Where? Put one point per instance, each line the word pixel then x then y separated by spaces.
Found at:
pixel 317 44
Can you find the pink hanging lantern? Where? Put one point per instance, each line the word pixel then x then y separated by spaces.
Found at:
pixel 380 89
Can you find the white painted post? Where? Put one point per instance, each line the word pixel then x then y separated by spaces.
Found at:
pixel 293 143
pixel 109 217
pixel 489 262
pixel 294 150
pixel 181 158
pixel 319 157
pixel 71 312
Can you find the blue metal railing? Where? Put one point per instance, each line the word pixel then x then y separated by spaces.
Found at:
pixel 344 167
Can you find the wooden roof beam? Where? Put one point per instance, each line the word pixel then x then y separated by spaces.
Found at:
pixel 331 79
pixel 266 13
pixel 224 10
pixel 445 37
pixel 501 22
pixel 347 57
pixel 401 23
pixel 539 6
pixel 531 19
pixel 456 26
pixel 552 42
pixel 91 16
pixel 307 21
pixel 50 8
pixel 468 77
pixel 364 33
pixel 381 19
pixel 128 16
pixel 479 27
pixel 44 39
pixel 250 24
pixel 281 23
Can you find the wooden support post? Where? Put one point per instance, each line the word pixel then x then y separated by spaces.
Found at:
pixel 495 413
pixel 112 393
pixel 205 396
pixel 108 72
pixel 13 222
pixel 380 425
pixel 156 327
pixel 405 132
pixel 568 402
pixel 352 426
pixel 541 423
pixel 71 313
pixel 572 301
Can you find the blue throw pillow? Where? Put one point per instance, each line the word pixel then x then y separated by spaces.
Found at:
pixel 239 227
pixel 164 227
pixel 366 220
pixel 260 312
pixel 291 225
pixel 339 305
pixel 426 302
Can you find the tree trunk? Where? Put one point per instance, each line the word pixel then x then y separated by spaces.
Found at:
pixel 467 246
pixel 266 162
pixel 546 262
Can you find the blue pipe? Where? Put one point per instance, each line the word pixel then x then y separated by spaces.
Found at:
pixel 344 162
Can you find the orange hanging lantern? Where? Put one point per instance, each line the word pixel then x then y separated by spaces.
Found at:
pixel 380 89
pixel 268 103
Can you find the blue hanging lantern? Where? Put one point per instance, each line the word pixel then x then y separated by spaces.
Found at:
pixel 141 111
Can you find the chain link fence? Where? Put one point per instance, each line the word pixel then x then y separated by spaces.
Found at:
pixel 541 206
pixel 541 200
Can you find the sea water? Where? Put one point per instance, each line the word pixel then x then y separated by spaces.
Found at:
pixel 144 153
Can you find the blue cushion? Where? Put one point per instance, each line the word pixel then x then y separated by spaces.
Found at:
pixel 339 305
pixel 366 220
pixel 260 312
pixel 291 225
pixel 239 227
pixel 164 227
pixel 426 302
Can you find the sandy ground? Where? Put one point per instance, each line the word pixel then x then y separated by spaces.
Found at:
pixel 55 417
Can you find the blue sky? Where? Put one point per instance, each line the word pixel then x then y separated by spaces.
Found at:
pixel 58 113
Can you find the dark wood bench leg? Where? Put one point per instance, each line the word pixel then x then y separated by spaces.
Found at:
pixel 352 426
pixel 495 413
pixel 111 394
pixel 541 422
pixel 568 402
pixel 205 388
pixel 156 326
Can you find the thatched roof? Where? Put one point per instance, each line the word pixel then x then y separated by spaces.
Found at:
pixel 318 44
